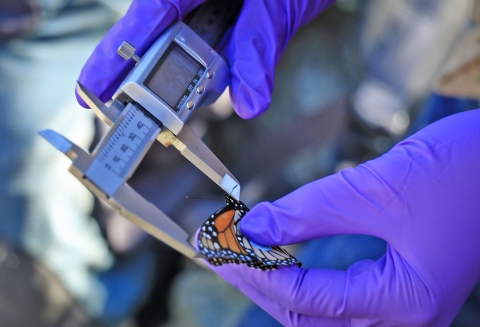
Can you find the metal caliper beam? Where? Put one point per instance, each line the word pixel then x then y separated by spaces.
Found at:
pixel 187 142
pixel 125 200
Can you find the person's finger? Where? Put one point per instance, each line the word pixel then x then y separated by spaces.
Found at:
pixel 353 201
pixel 142 24
pixel 235 274
pixel 256 45
pixel 253 53
pixel 423 181
pixel 369 292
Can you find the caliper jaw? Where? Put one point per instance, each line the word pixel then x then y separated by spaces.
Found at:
pixel 125 200
pixel 186 142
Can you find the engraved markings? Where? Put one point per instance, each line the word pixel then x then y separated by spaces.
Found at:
pixel 118 152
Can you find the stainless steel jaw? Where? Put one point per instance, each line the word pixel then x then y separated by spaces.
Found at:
pixel 106 171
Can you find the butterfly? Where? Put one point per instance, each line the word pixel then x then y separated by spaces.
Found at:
pixel 222 242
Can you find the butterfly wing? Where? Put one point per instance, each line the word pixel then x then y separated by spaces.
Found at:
pixel 217 239
pixel 221 241
pixel 269 255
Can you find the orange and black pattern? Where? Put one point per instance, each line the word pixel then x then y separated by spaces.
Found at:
pixel 221 241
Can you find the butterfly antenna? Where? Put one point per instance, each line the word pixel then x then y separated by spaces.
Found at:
pixel 201 198
pixel 233 189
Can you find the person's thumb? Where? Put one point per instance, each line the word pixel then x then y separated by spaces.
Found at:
pixel 105 70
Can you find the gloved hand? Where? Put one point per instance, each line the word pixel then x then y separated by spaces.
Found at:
pixel 422 197
pixel 256 44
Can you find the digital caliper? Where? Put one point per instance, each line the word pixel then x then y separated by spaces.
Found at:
pixel 180 72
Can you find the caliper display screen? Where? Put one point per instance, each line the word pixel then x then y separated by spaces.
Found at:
pixel 175 76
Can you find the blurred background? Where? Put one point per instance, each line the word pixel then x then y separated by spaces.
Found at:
pixel 351 84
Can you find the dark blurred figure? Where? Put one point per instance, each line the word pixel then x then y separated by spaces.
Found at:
pixel 31 295
pixel 44 282
pixel 58 268
pixel 111 271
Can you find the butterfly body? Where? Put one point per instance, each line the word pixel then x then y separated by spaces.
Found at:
pixel 222 242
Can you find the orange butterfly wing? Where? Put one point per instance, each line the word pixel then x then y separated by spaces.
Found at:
pixel 221 242
pixel 226 233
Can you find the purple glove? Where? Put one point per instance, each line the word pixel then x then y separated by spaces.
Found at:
pixel 254 49
pixel 422 197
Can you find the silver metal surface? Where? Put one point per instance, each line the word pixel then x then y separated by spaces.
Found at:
pixel 143 109
pixel 125 200
pixel 106 177
pixel 127 51
pixel 187 142
pixel 193 148
pixel 122 149
pixel 106 114
pixel 181 36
